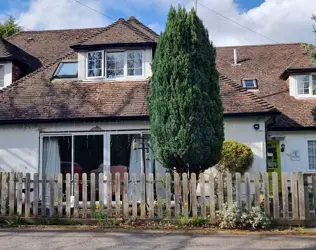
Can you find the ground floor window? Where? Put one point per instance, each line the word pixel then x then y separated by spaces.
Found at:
pixel 311 154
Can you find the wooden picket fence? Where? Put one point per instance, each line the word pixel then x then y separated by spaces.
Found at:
pixel 158 196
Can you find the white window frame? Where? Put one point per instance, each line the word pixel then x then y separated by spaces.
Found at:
pixel 310 86
pixel 102 65
pixel 105 65
pixel 309 169
pixel 143 64
pixel 250 79
pixel 3 65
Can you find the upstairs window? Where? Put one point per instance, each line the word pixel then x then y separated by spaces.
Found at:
pixel 67 70
pixel 306 85
pixel 1 76
pixel 311 154
pixel 249 83
pixel 115 65
pixel 134 63
pixel 95 64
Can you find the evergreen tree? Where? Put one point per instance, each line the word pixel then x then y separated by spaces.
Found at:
pixel 185 106
pixel 9 28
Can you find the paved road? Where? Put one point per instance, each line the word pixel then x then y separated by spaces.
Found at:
pixel 76 240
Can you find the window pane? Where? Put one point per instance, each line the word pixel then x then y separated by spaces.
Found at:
pixel 134 63
pixel 311 154
pixel 303 85
pixel 314 84
pixel 115 64
pixel 249 84
pixel 95 64
pixel 67 69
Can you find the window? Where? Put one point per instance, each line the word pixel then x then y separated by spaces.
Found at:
pixel 95 64
pixel 1 76
pixel 306 85
pixel 311 155
pixel 67 70
pixel 249 83
pixel 115 65
pixel 134 63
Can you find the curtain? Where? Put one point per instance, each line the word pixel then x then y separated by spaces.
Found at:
pixel 51 162
pixel 135 167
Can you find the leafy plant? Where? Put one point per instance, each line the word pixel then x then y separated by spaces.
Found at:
pixel 199 221
pixel 183 221
pixel 15 222
pixel 235 157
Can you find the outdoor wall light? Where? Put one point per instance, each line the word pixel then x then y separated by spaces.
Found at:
pixel 134 144
pixel 256 126
pixel 282 147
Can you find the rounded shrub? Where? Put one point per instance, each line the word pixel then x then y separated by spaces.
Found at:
pixel 235 157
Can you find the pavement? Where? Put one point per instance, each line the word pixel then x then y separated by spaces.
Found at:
pixel 97 240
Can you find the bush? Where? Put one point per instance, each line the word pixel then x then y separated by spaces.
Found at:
pixel 235 157
pixel 233 218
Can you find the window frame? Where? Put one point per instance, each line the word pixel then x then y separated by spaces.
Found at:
pixel 143 64
pixel 250 79
pixel 310 88
pixel 59 68
pixel 308 163
pixel 105 64
pixel 3 65
pixel 102 65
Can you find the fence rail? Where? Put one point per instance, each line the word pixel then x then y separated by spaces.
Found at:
pixel 152 196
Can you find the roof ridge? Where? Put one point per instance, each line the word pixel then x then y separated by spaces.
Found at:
pixel 251 95
pixel 133 28
pixel 258 45
pixel 133 18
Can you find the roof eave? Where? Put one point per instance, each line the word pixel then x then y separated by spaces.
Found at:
pixel 286 73
pixel 251 114
pixel 111 45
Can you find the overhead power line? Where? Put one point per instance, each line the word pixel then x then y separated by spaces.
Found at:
pixel 94 10
pixel 233 21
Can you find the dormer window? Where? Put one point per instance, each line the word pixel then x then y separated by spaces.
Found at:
pixel 115 65
pixel 250 83
pixel 306 85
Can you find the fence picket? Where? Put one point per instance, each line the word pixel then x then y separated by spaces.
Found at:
pixel 125 196
pixel 229 190
pixel 143 196
pixel 285 197
pixel 193 195
pixel 68 198
pixel 52 195
pixel 84 195
pixel 60 195
pixel 294 193
pixel 151 196
pixel 168 196
pixel 202 195
pixel 19 198
pixel 306 197
pixel 117 195
pixel 43 209
pixel 185 206
pixel 4 194
pixel 101 193
pixel 11 193
pixel 248 193
pixel 159 195
pixel 212 197
pixel 176 195
pixel 238 192
pixel 92 191
pixel 257 190
pixel 76 194
pixel 27 194
pixel 134 195
pixel 301 196
pixel 275 181
pixel 109 194
pixel 35 196
pixel 266 194
pixel 314 192
pixel 220 186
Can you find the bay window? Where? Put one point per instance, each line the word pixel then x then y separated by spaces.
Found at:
pixel 306 85
pixel 113 65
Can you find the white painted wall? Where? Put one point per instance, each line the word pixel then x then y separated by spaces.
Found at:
pixel 147 72
pixel 295 140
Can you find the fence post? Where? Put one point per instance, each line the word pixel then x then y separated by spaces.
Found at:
pixel 266 194
pixel 101 193
pixel 109 194
pixel 4 194
pixel 11 193
pixel 248 198
pixel 275 181
pixel 202 190
pixel 301 195
pixel 43 195
pixel 68 199
pixel 76 194
pixel 285 197
pixel 19 198
pixel 294 196
pixel 193 195
pixel 134 195
pixel 117 194
pixel 92 191
pixel 212 197
pixel 176 195
pixel 60 194
pixel 159 195
pixel 238 192
pixel 84 195
pixel 36 190
pixel 143 196
pixel 125 196
pixel 168 195
pixel 151 196
pixel 185 206
pixel 306 197
pixel 229 189
pixel 257 190
pixel 27 195
pixel 52 195
pixel 220 191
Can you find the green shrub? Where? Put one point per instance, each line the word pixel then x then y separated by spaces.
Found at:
pixel 199 221
pixel 235 157
pixel 233 218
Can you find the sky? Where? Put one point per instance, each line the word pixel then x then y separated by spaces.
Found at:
pixel 263 21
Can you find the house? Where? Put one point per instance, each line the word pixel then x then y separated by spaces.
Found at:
pixel 74 101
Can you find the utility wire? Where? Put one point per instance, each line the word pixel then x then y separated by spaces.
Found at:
pixel 94 10
pixel 231 20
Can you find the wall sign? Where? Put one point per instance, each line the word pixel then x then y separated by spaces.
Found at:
pixel 295 155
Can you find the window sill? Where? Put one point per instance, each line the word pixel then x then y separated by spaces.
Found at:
pixel 125 79
pixel 305 96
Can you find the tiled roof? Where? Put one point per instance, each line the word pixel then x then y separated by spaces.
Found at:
pixel 266 63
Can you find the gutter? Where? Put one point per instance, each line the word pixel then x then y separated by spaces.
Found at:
pixel 111 45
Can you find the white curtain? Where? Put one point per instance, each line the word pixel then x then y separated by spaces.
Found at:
pixel 51 161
